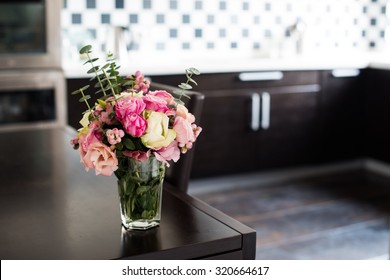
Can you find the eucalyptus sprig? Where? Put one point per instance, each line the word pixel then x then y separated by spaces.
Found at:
pixel 183 87
pixel 86 50
pixel 109 80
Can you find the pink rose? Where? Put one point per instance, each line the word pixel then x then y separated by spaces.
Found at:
pixel 184 131
pixel 93 135
pixel 155 103
pixel 182 111
pixel 171 152
pixel 134 124
pixel 128 105
pixel 137 155
pixel 100 157
pixel 163 95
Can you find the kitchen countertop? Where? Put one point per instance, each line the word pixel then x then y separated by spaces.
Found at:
pixel 168 66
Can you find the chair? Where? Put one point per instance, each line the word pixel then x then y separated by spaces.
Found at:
pixel 178 174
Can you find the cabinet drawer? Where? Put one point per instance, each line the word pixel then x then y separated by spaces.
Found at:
pixel 259 79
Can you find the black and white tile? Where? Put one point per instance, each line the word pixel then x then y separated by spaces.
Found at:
pixel 239 26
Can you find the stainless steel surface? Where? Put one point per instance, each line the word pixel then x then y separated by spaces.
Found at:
pixel 344 73
pixel 38 79
pixel 255 119
pixel 52 57
pixel 260 76
pixel 265 110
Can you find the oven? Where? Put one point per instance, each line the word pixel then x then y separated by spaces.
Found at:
pixel 32 82
pixel 32 99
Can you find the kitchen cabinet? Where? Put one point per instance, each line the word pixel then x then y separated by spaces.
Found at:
pixel 342 114
pixel 242 134
pixel 377 114
pixel 313 117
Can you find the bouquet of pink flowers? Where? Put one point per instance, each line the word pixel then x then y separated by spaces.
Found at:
pixel 128 120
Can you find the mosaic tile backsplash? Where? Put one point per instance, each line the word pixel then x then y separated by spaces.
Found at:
pixel 263 27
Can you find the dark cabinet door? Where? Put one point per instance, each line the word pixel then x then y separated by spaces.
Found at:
pixel 293 135
pixel 377 113
pixel 231 143
pixel 342 114
pixel 227 143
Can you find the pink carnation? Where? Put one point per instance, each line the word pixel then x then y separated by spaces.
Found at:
pixel 134 124
pixel 100 157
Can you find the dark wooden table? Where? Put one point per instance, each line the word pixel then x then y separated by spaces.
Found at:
pixel 50 208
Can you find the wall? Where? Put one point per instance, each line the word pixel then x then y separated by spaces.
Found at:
pixel 234 27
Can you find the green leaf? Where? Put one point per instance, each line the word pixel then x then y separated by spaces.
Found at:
pixel 186 96
pixel 178 101
pixel 194 71
pixel 80 90
pixel 84 88
pixel 128 83
pixel 105 66
pixel 85 49
pixel 185 86
pixel 128 143
pixel 119 146
pixel 102 103
pixel 192 81
pixel 84 98
pixel 91 60
pixel 93 69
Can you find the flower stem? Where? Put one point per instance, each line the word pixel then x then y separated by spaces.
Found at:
pixel 97 76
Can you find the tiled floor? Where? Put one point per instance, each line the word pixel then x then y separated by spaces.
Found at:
pixel 343 216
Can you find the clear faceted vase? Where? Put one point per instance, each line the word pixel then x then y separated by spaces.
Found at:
pixel 140 192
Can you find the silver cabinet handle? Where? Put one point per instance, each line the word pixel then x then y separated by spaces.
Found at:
pixel 265 110
pixel 344 73
pixel 255 119
pixel 260 76
pixel 261 110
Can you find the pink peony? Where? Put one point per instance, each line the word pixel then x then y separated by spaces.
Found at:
pixel 114 135
pixel 184 131
pixel 100 157
pixel 134 124
pixel 171 152
pixel 155 103
pixel 137 155
pixel 128 105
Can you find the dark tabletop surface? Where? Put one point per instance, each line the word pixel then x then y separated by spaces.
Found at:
pixel 50 208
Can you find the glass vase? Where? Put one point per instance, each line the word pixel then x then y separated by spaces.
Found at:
pixel 140 192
